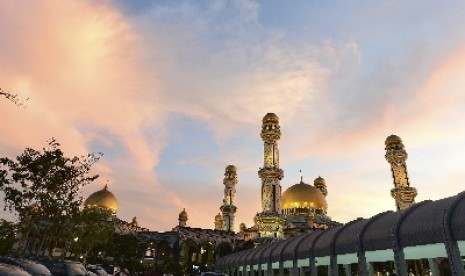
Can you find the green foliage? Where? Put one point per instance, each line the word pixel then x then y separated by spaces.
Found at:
pixel 7 236
pixel 91 231
pixel 170 266
pixel 41 187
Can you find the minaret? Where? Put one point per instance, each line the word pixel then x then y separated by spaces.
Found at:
pixel 396 156
pixel 228 209
pixel 320 184
pixel 270 221
pixel 183 218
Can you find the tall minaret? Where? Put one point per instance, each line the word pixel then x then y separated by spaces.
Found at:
pixel 228 209
pixel 396 156
pixel 270 221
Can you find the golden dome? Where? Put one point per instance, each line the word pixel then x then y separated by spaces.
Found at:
pixel 218 217
pixel 183 215
pixel 271 117
pixel 319 181
pixel 231 168
pixel 303 195
pixel 392 139
pixel 104 199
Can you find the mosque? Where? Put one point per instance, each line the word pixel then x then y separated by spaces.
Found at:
pixel 299 211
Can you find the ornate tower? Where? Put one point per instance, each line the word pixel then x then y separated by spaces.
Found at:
pixel 270 222
pixel 396 156
pixel 228 209
pixel 183 218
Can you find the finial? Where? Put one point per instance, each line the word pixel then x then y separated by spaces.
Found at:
pixel 301 177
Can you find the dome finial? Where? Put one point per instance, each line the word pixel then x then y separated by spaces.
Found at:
pixel 301 176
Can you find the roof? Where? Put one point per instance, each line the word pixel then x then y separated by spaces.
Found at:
pixel 427 222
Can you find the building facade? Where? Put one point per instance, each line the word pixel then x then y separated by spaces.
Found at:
pixel 299 210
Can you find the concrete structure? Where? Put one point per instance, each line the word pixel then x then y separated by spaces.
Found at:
pixel 424 239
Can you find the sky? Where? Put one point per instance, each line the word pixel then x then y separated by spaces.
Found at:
pixel 173 91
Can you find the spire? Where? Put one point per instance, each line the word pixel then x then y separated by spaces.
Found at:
pixel 396 156
pixel 228 209
pixel 270 221
pixel 301 177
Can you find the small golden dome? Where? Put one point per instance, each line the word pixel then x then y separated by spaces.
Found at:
pixel 218 217
pixel 271 117
pixel 231 168
pixel 303 195
pixel 183 215
pixel 104 199
pixel 392 139
pixel 319 181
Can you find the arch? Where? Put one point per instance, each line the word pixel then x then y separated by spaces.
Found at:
pixel 206 256
pixel 399 257
pixel 362 262
pixel 223 249
pixel 453 252
pixel 163 251
pixel 311 259
pixel 348 230
pixel 188 255
pixel 150 249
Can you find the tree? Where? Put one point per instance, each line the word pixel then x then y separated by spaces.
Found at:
pixel 170 266
pixel 14 98
pixel 7 236
pixel 41 187
pixel 92 228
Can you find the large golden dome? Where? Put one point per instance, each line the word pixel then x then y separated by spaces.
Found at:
pixel 303 195
pixel 104 199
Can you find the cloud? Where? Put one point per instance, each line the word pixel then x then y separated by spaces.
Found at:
pixel 104 79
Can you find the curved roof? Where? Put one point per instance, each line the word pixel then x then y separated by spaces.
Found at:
pixel 290 250
pixel 321 247
pixel 421 224
pixel 346 241
pixel 458 219
pixel 424 224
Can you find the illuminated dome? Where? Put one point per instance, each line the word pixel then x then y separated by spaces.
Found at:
pixel 104 199
pixel 302 195
pixel 271 117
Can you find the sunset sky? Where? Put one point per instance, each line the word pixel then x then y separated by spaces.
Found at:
pixel 173 91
